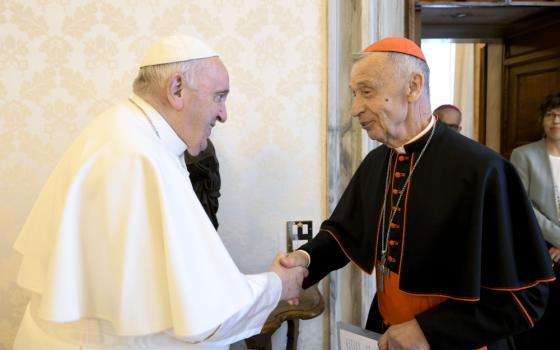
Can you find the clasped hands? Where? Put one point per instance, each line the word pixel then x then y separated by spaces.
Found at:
pixel 292 269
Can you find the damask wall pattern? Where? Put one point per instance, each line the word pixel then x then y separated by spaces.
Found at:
pixel 64 61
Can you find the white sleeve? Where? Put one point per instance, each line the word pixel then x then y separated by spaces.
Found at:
pixel 267 288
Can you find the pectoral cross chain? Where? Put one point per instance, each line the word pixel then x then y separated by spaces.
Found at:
pixel 383 271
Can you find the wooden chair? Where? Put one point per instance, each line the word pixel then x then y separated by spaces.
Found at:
pixel 311 305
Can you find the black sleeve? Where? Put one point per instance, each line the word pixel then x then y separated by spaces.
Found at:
pixel 204 172
pixel 326 256
pixel 456 324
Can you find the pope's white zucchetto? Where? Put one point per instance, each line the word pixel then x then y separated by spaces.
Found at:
pixel 176 48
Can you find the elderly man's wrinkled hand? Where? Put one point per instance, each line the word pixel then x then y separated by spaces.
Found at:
pixel 554 255
pixel 292 279
pixel 404 336
pixel 297 258
pixel 294 259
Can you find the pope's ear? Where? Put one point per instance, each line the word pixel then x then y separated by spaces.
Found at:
pixel 175 92
pixel 415 86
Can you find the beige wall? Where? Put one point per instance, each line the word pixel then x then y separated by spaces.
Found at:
pixel 64 61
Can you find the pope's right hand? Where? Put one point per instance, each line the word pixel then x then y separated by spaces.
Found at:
pixel 291 278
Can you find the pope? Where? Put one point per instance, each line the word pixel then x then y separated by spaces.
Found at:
pixel 118 251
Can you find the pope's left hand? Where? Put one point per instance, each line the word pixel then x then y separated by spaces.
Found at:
pixel 404 336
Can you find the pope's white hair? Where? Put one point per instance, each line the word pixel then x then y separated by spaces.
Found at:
pixel 152 79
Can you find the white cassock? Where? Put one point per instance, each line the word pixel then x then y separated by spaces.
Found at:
pixel 119 253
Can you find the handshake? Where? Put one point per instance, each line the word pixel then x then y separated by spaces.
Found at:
pixel 292 269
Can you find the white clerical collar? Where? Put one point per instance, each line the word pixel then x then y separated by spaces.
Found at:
pixel 162 128
pixel 401 149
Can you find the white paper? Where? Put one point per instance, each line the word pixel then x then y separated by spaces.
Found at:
pixel 351 337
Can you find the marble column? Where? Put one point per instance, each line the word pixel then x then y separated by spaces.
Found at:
pixel 352 25
pixel 344 146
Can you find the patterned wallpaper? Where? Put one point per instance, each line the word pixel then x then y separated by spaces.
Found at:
pixel 63 61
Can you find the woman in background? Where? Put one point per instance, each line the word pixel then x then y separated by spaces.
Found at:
pixel 538 164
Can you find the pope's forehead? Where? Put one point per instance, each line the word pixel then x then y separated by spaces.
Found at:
pixel 213 66
pixel 214 62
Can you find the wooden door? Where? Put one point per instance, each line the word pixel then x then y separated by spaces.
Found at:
pixel 531 72
pixel 480 91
